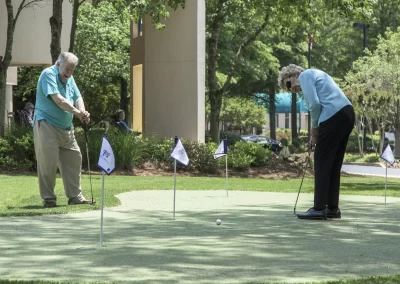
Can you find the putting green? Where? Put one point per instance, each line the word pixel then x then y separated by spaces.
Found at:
pixel 259 240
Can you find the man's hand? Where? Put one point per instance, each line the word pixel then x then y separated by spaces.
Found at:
pixel 314 137
pixel 84 116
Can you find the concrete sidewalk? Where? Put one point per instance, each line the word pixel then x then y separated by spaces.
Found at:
pixel 259 240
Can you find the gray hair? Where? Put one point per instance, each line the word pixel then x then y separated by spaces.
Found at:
pixel 287 72
pixel 29 105
pixel 67 57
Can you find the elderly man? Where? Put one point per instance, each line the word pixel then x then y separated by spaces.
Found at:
pixel 57 101
pixel 26 115
pixel 332 117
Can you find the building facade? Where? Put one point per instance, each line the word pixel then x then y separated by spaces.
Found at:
pixel 168 75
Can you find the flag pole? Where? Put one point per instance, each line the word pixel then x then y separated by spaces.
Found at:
pixel 226 163
pixel 102 208
pixel 385 182
pixel 174 186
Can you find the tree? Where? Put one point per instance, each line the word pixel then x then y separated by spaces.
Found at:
pixel 241 114
pixel 374 87
pixel 103 48
pixel 5 60
pixel 237 25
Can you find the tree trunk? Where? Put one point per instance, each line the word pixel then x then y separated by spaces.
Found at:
pixel 74 25
pixel 272 115
pixel 294 117
pixel 123 103
pixel 216 103
pixel 214 92
pixel 3 81
pixel 56 28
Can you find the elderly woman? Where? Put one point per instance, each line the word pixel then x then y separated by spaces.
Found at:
pixel 332 118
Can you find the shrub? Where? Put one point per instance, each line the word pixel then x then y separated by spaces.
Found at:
pixel 349 158
pixel 129 150
pixel 371 158
pixel 202 157
pixel 371 147
pixel 285 142
pixel 298 146
pixel 240 156
pixel 18 146
pixel 232 137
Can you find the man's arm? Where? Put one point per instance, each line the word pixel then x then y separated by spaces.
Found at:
pixel 80 105
pixel 65 105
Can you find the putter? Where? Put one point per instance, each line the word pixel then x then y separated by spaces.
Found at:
pixel 304 173
pixel 87 155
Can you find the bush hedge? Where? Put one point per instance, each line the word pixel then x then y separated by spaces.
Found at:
pixel 17 151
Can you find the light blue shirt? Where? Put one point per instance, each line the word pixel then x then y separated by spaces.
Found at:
pixel 45 108
pixel 322 95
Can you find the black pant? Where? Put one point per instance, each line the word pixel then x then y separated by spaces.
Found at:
pixel 333 135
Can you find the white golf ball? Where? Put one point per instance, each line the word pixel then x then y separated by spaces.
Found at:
pixel 218 222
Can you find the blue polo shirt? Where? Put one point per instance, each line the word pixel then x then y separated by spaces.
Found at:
pixel 45 108
pixel 322 95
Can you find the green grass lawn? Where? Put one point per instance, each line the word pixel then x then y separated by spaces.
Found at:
pixel 371 280
pixel 19 194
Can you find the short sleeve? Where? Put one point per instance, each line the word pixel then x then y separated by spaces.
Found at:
pixel 49 84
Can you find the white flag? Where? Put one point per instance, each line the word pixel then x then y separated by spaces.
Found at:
pixel 179 153
pixel 106 159
pixel 387 155
pixel 222 149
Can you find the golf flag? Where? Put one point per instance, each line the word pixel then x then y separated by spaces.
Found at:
pixel 179 152
pixel 387 155
pixel 106 159
pixel 222 149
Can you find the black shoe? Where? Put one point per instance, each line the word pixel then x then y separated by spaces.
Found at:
pixel 49 204
pixel 313 214
pixel 333 213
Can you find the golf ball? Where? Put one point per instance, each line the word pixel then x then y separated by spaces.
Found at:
pixel 218 222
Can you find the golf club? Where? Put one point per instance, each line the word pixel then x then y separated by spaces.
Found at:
pixel 88 161
pixel 304 173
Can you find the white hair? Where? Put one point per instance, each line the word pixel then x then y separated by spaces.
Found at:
pixel 287 72
pixel 67 57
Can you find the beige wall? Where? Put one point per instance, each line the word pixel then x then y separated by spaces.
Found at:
pixel 12 76
pixel 32 32
pixel 174 73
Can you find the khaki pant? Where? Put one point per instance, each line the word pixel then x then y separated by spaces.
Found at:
pixel 57 147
